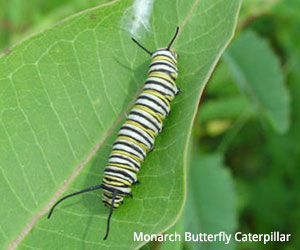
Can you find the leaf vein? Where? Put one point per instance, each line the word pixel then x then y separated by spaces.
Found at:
pixel 32 131
pixel 85 87
pixel 20 164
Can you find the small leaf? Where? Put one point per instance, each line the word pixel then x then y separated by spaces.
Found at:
pixel 211 202
pixel 254 8
pixel 257 72
pixel 224 108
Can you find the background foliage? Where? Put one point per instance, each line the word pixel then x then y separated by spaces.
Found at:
pixel 244 166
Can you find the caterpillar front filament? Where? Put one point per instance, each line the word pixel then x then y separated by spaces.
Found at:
pixel 136 136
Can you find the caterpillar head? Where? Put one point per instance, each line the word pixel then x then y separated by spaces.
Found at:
pixel 167 52
pixel 164 60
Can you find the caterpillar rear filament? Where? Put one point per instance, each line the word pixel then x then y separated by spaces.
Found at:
pixel 136 136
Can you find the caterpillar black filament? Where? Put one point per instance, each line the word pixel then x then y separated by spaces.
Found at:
pixel 136 136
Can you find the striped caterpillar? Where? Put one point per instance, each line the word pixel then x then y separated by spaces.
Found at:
pixel 136 136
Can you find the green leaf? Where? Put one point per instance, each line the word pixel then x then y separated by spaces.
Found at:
pixel 255 8
pixel 220 83
pixel 64 93
pixel 288 9
pixel 257 72
pixel 224 108
pixel 211 202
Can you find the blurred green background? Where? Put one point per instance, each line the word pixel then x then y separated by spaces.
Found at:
pixel 245 154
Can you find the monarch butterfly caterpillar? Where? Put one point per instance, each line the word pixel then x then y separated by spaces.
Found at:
pixel 137 134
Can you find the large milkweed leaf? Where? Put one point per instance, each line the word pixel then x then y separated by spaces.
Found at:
pixel 63 95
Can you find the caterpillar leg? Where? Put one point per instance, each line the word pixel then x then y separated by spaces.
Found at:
pixel 178 91
pixel 137 182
